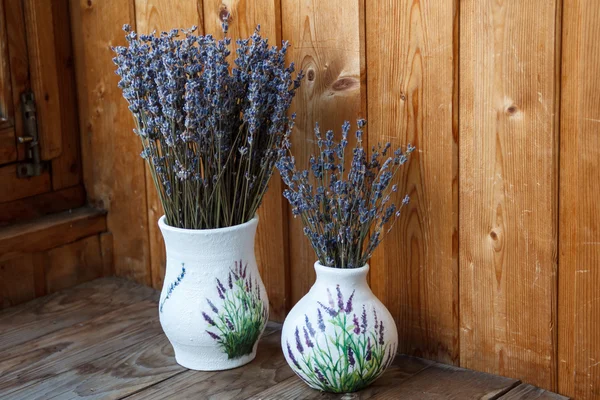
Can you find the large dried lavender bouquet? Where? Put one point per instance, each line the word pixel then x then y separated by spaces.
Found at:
pixel 345 215
pixel 211 131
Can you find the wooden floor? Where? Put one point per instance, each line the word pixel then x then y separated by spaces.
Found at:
pixel 102 340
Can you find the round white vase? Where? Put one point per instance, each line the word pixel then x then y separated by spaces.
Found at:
pixel 339 337
pixel 213 306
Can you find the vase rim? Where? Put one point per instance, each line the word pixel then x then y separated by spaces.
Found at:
pixel 203 232
pixel 324 268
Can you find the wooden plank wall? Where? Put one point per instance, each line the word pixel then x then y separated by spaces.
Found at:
pixel 579 214
pixel 494 265
pixel 507 184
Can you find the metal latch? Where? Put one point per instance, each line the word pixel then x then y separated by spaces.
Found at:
pixel 33 166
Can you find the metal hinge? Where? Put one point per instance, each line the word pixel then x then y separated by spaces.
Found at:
pixel 33 166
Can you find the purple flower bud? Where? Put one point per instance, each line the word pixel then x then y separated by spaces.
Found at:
pixel 331 311
pixel 309 326
pixel 229 324
pixel 356 325
pixel 291 355
pixel 320 321
pixel 230 282
pixel 220 285
pixel 220 292
pixel 369 350
pixel 298 343
pixel 381 342
pixel 321 377
pixel 376 323
pixel 351 360
pixel 330 299
pixel 340 298
pixel 309 342
pixel 212 306
pixel 213 335
pixel 349 303
pixel 208 319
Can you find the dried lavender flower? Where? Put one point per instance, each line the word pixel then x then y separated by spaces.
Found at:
pixel 212 125
pixel 346 212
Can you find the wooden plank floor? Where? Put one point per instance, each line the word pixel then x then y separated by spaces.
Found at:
pixel 102 340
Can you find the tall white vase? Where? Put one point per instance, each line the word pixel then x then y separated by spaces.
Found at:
pixel 339 337
pixel 213 306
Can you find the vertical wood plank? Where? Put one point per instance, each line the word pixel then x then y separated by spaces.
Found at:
pixel 19 63
pixel 161 15
pixel 325 39
pixel 113 170
pixel 271 241
pixel 579 260
pixel 66 169
pixel 508 184
pixel 410 89
pixel 6 104
pixel 43 73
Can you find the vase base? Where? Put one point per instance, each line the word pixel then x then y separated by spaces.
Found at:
pixel 199 362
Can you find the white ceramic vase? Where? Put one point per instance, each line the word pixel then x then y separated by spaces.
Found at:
pixel 213 306
pixel 339 337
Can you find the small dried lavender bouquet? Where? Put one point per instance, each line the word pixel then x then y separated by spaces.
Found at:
pixel 345 214
pixel 211 131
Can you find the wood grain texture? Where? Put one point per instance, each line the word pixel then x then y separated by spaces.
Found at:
pixel 74 263
pixel 579 260
pixel 161 15
pixel 271 236
pixel 34 361
pixel 528 392
pixel 325 39
pixel 14 188
pixel 49 314
pixel 6 99
pixel 508 188
pixel 51 231
pixel 115 376
pixel 66 169
pixel 41 205
pixel 113 170
pixel 43 72
pixel 295 389
pixel 268 368
pixel 124 354
pixel 448 382
pixel 415 270
pixel 8 149
pixel 19 280
pixel 19 62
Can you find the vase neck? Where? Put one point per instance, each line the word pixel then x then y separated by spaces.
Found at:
pixel 210 244
pixel 329 276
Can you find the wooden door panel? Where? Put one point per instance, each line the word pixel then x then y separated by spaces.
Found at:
pixel 8 151
pixel 19 63
pixel 14 188
pixel 43 75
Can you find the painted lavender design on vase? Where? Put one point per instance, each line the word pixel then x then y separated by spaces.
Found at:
pixel 240 318
pixel 346 351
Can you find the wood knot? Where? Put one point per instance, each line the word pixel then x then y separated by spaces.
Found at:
pixel 402 97
pixel 346 83
pixel 224 13
pixel 512 110
pixel 310 75
pixel 89 3
pixel 494 235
